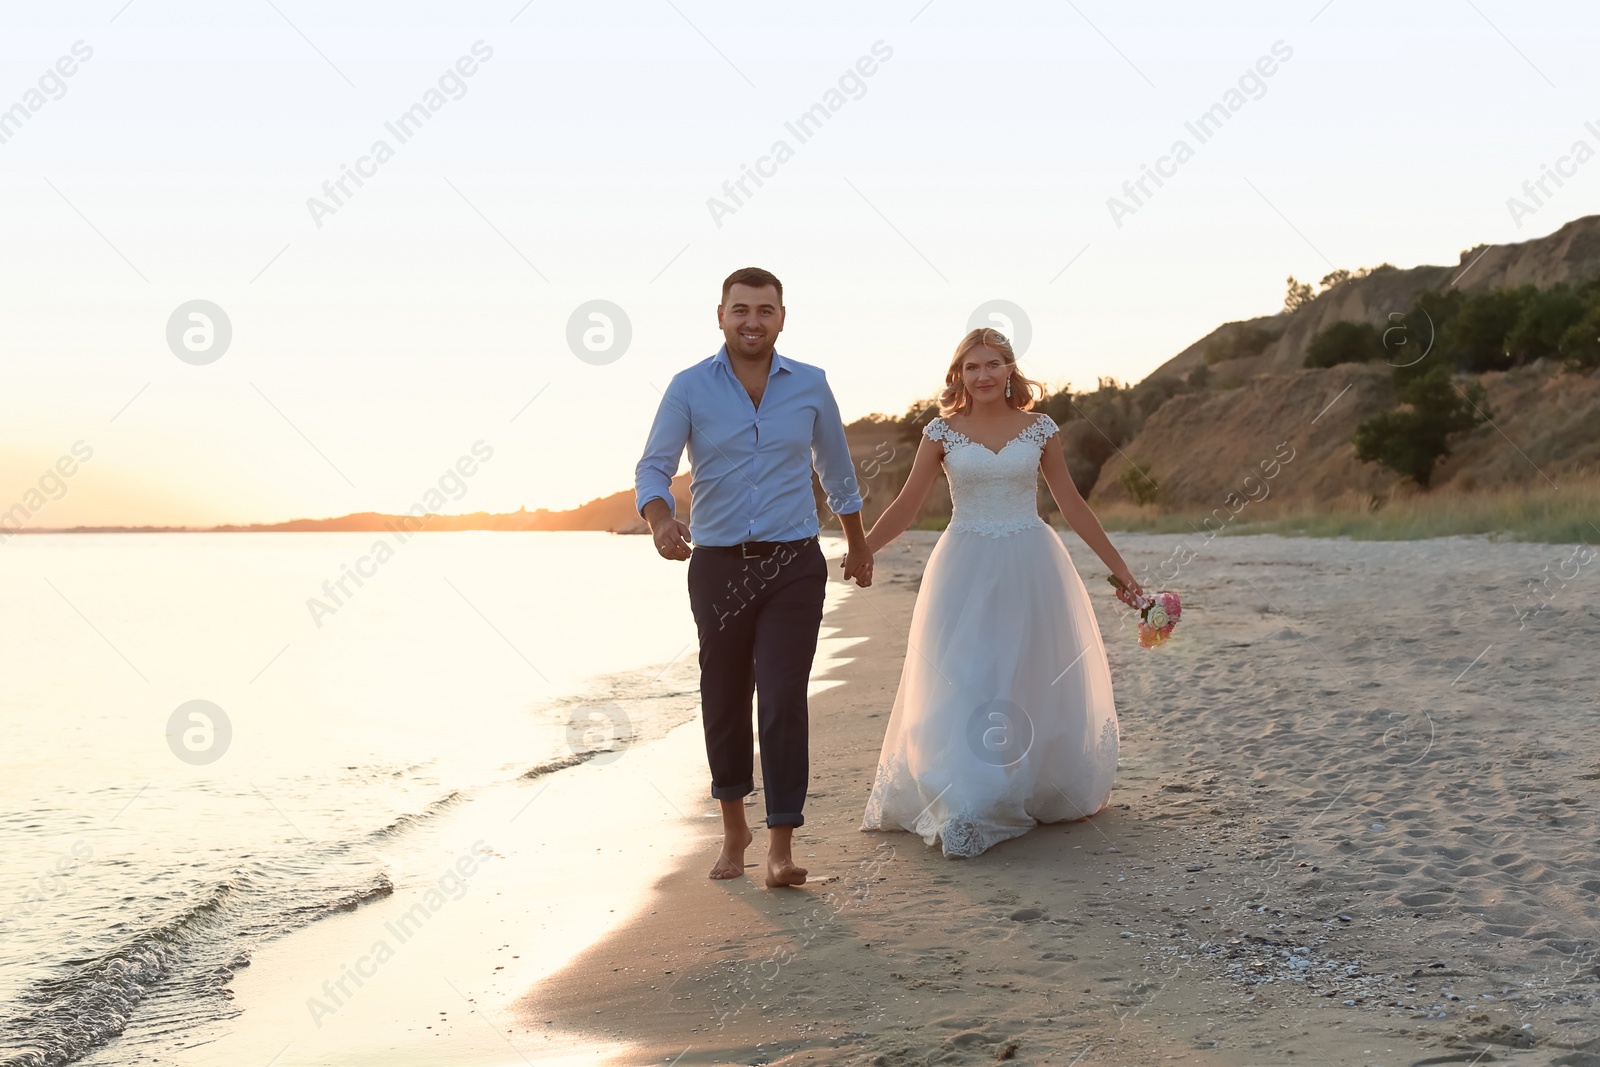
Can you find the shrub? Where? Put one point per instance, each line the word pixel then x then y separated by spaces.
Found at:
pixel 1580 345
pixel 1139 483
pixel 1344 342
pixel 1237 343
pixel 1474 339
pixel 1547 316
pixel 1412 441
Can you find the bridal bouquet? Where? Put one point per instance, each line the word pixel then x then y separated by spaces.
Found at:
pixel 1158 615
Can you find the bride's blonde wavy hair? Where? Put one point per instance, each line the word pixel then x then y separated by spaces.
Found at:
pixel 1024 391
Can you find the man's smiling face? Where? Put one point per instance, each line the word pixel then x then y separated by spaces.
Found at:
pixel 751 320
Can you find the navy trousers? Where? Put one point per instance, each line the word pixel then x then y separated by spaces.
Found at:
pixel 758 620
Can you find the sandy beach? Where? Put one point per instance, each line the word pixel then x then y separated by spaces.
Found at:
pixel 1354 823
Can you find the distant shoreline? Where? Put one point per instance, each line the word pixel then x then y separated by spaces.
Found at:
pixel 608 514
pixel 315 526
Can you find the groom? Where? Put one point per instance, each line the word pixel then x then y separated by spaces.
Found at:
pixel 753 420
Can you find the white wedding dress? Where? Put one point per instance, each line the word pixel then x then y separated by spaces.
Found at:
pixel 1004 717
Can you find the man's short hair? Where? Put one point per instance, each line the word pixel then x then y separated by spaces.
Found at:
pixel 754 277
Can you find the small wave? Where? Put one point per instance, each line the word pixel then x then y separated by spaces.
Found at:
pixel 381 887
pixel 407 821
pixel 62 1018
pixel 561 764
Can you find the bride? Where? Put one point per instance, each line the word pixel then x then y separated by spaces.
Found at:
pixel 1004 717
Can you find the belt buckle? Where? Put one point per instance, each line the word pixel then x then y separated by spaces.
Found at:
pixel 745 553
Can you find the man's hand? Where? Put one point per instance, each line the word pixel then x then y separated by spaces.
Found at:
pixel 857 563
pixel 671 538
pixel 670 535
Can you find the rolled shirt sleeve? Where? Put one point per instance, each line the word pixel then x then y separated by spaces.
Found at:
pixel 831 455
pixel 663 449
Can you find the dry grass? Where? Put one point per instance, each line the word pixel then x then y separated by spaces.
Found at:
pixel 1566 514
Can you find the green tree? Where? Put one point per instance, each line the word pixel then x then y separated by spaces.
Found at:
pixel 1580 345
pixel 1139 483
pixel 1475 337
pixel 1298 296
pixel 1546 317
pixel 1344 342
pixel 1411 440
pixel 1410 339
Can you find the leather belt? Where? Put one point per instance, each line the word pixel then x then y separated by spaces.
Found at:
pixel 756 549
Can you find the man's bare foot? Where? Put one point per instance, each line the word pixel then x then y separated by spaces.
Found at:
pixel 784 872
pixel 730 863
pixel 781 868
pixel 736 837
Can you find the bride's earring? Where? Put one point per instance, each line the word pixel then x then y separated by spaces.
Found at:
pixel 1008 387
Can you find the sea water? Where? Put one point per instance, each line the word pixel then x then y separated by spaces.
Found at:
pixel 210 740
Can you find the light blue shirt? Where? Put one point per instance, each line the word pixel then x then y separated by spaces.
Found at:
pixel 751 468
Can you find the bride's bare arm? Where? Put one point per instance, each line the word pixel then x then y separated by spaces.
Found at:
pixel 903 512
pixel 1078 514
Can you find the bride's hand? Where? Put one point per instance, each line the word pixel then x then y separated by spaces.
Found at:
pixel 1131 593
pixel 858 566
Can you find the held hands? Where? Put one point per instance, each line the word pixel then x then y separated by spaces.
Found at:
pixel 857 564
pixel 671 538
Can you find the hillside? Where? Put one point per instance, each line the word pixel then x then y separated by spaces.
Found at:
pixel 1200 447
pixel 1570 255
pixel 1544 425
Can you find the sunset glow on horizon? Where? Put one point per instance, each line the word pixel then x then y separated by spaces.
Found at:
pixel 405 222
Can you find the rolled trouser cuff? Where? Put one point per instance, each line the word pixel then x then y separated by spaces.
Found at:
pixel 732 792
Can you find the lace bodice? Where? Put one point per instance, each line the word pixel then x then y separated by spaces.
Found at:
pixel 993 493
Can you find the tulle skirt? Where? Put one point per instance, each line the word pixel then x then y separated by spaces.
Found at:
pixel 1004 718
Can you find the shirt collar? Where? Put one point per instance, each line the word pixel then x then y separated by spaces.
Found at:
pixel 778 362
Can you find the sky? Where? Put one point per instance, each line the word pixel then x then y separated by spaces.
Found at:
pixel 560 155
